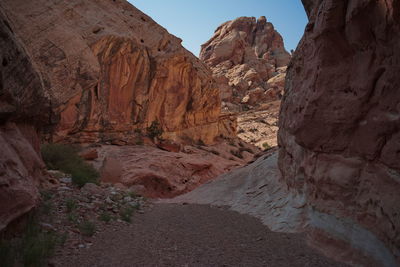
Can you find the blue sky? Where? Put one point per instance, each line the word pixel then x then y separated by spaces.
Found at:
pixel 194 21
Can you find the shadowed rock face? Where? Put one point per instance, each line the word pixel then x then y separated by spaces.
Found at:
pixel 22 109
pixel 110 69
pixel 340 125
pixel 244 54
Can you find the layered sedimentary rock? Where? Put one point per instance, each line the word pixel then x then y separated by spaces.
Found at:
pixel 23 108
pixel 340 126
pixel 244 54
pixel 110 69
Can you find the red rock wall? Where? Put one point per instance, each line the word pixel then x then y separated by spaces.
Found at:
pixel 23 109
pixel 340 125
pixel 110 69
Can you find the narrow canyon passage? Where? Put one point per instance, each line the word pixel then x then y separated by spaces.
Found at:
pixel 194 235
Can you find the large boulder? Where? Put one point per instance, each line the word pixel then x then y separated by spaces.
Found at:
pixel 110 69
pixel 23 109
pixel 339 131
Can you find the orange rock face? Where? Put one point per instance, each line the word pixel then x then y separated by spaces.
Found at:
pixel 339 126
pixel 23 108
pixel 110 69
pixel 244 54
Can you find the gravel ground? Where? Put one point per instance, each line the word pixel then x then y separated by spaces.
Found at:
pixel 194 235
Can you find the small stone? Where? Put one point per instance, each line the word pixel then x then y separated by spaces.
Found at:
pixel 109 201
pixel 64 188
pixel 66 180
pixel 127 199
pixel 81 246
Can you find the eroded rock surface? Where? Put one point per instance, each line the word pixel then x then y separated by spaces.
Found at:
pixel 22 111
pixel 248 60
pixel 164 174
pixel 110 69
pixel 340 127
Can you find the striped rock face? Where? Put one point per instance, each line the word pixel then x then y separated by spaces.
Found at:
pixel 110 69
pixel 339 125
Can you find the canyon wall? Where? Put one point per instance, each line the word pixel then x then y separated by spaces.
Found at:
pixel 110 69
pixel 248 59
pixel 339 125
pixel 23 109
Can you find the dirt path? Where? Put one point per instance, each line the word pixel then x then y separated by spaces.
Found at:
pixel 194 235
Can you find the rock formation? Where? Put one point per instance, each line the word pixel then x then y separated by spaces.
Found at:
pixel 244 54
pixel 110 69
pixel 23 108
pixel 340 126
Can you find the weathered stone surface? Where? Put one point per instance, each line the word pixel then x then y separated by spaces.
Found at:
pixel 22 109
pixel 244 54
pixel 340 125
pixel 110 69
pixel 166 174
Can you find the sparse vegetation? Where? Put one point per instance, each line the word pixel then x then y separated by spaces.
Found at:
pixel 66 159
pixel 200 142
pixel 87 228
pixel 266 146
pixel 154 130
pixel 240 131
pixel 32 248
pixel 139 141
pixel 232 143
pixel 253 130
pixel 126 213
pixel 237 154
pixel 71 205
pixel 105 217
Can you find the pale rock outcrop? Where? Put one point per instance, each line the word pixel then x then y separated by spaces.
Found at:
pixel 23 108
pixel 340 127
pixel 244 54
pixel 110 69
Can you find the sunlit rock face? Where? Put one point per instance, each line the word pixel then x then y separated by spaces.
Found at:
pixel 23 108
pixel 339 126
pixel 244 54
pixel 110 69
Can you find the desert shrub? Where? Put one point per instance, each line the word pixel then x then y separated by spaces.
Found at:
pixel 87 228
pixel 66 159
pixel 240 131
pixel 71 205
pixel 32 248
pixel 200 142
pixel 266 146
pixel 105 217
pixel 139 141
pixel 36 245
pixel 73 218
pixel 154 130
pixel 126 213
pixel 253 130
pixel 237 154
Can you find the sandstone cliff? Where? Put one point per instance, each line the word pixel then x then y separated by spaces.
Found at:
pixel 23 108
pixel 340 126
pixel 248 59
pixel 110 69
